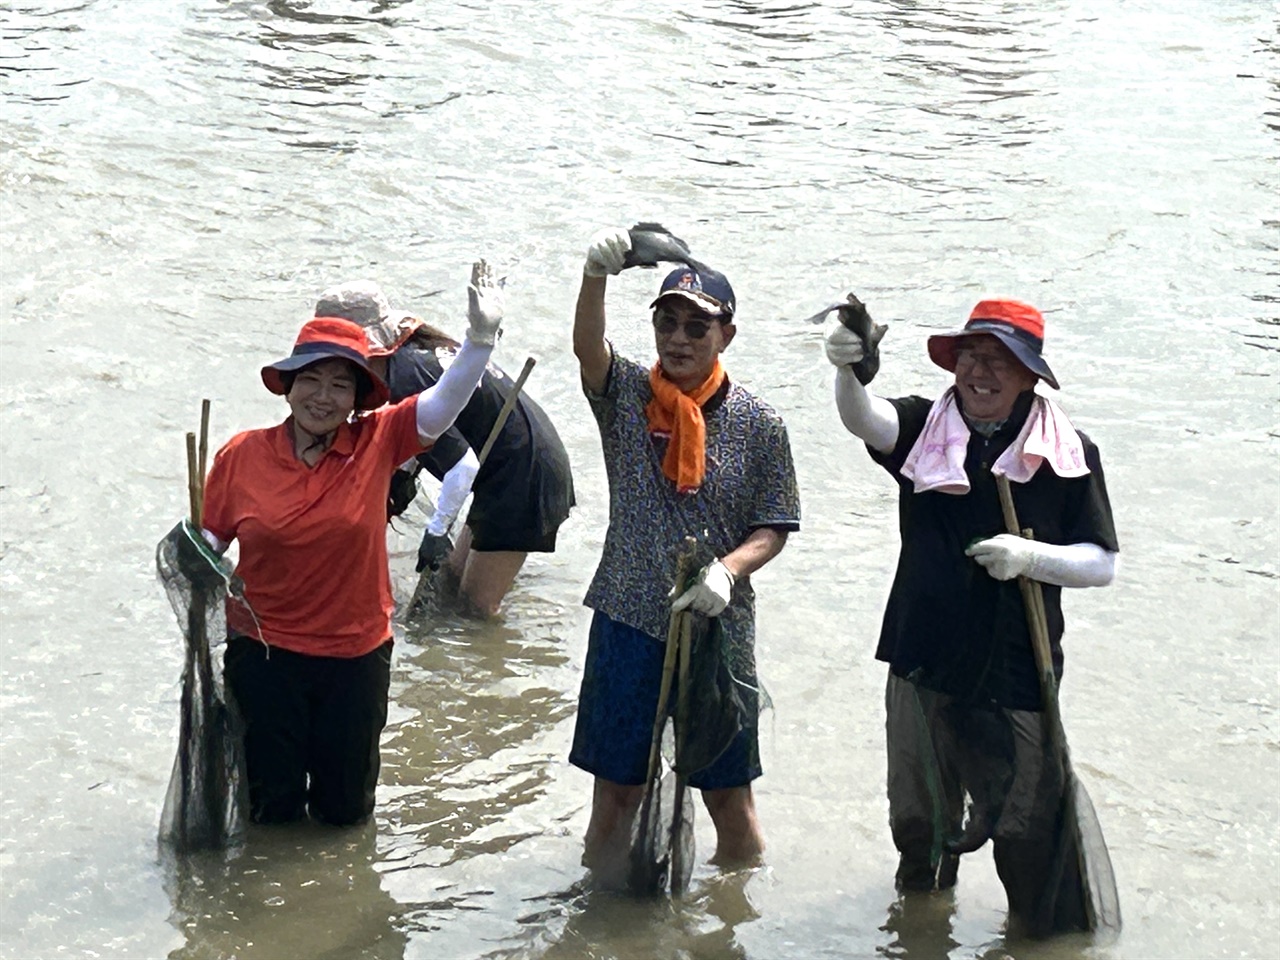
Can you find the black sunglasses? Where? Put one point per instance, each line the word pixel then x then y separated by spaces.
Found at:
pixel 666 324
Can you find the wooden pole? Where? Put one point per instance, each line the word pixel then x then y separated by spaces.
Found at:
pixel 193 481
pixel 203 450
pixel 674 625
pixel 1033 601
pixel 1072 825
pixel 505 412
pixel 679 867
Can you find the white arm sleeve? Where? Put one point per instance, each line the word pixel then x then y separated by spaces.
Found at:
pixel 439 406
pixel 870 418
pixel 453 493
pixel 1073 565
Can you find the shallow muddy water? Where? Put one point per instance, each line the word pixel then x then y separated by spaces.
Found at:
pixel 179 179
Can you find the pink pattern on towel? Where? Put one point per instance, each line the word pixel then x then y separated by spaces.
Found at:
pixel 936 461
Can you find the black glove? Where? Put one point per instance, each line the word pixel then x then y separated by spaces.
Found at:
pixel 404 487
pixel 195 561
pixel 434 551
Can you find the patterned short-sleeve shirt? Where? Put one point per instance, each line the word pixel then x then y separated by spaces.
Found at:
pixel 750 483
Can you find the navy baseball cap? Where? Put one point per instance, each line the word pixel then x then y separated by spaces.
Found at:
pixel 707 289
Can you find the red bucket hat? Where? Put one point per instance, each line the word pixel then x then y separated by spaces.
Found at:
pixel 1019 326
pixel 327 338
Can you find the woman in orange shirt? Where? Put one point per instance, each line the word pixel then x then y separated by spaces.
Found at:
pixel 309 652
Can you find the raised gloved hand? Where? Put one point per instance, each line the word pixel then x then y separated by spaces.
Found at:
pixel 433 551
pixel 484 305
pixel 1005 556
pixel 404 487
pixel 710 592
pixel 844 347
pixel 607 253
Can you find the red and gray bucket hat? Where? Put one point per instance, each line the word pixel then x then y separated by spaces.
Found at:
pixel 1019 326
pixel 328 338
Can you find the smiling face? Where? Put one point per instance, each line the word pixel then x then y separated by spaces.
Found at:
pixel 323 396
pixel 688 360
pixel 989 378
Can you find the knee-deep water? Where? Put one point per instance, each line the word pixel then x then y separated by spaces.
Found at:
pixel 178 182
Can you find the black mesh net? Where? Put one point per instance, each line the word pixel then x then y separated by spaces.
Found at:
pixel 207 801
pixel 716 711
pixel 705 707
pixel 662 847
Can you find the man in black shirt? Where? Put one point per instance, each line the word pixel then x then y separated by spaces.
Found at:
pixel 963 697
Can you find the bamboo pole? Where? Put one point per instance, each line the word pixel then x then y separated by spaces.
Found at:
pixel 203 451
pixel 194 491
pixel 1032 598
pixel 670 656
pixel 1037 624
pixel 679 868
pixel 505 412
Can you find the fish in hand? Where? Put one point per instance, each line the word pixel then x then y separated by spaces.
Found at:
pixel 854 317
pixel 652 243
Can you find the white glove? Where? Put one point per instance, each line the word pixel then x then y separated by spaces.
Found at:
pixel 484 305
pixel 607 252
pixel 1004 556
pixel 1066 565
pixel 710 593
pixel 844 347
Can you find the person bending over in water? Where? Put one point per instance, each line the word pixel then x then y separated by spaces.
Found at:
pixel 688 452
pixel 523 491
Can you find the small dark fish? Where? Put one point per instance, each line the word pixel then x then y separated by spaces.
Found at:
pixel 652 243
pixel 854 316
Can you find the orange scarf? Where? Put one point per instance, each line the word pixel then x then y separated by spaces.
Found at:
pixel 676 414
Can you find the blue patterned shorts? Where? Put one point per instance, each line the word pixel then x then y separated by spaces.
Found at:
pixel 616 709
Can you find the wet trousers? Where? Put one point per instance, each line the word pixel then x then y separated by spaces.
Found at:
pixel 312 726
pixel 929 758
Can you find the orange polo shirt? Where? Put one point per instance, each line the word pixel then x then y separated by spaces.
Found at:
pixel 313 540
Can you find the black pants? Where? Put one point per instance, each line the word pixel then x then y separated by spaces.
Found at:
pixel 312 726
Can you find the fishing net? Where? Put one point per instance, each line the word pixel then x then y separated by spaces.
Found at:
pixel 1080 893
pixel 702 708
pixel 1065 884
pixel 403 489
pixel 1102 899
pixel 206 805
pixel 717 712
pixel 662 846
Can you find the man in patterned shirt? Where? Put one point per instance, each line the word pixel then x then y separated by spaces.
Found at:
pixel 687 453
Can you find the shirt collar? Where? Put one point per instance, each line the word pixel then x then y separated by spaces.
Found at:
pixel 344 444
pixel 1011 425
pixel 715 401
